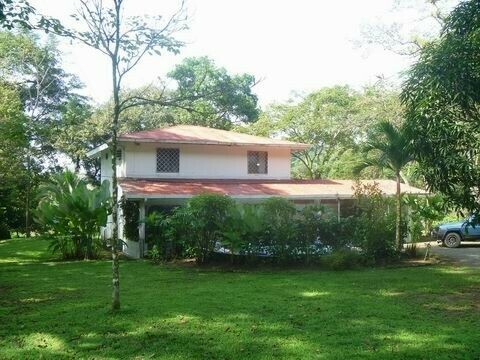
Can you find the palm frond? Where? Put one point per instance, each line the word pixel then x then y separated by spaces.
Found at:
pixel 387 147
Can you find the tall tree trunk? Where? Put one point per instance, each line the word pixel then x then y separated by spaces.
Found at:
pixel 116 115
pixel 398 240
pixel 27 199
pixel 114 239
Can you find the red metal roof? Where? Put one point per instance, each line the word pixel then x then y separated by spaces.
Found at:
pixel 139 188
pixel 188 134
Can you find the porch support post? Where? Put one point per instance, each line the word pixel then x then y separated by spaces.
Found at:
pixel 141 228
pixel 338 209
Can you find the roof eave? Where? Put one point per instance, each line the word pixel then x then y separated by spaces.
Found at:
pixel 293 146
pixel 97 151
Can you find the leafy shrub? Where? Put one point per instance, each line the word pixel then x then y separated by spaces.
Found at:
pixel 321 232
pixel 373 226
pixel 280 228
pixel 159 234
pixel 204 218
pixel 314 227
pixel 155 255
pixel 242 230
pixel 275 230
pixel 71 214
pixel 424 211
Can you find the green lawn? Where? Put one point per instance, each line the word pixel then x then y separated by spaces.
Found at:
pixel 54 309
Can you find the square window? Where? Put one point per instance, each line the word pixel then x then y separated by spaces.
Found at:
pixel 257 162
pixel 168 160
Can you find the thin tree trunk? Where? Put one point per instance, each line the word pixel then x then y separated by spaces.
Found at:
pixel 27 200
pixel 398 240
pixel 114 239
pixel 116 115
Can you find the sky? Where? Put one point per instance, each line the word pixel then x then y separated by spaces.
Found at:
pixel 291 46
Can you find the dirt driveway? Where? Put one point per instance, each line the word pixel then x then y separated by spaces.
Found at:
pixel 467 254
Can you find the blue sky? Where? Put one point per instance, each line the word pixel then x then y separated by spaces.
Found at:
pixel 291 45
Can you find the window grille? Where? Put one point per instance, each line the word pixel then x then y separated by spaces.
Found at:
pixel 168 160
pixel 257 162
pixel 119 154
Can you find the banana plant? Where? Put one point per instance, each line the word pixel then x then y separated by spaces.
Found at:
pixel 73 211
pixel 243 225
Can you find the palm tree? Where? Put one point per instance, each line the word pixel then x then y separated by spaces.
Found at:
pixel 388 148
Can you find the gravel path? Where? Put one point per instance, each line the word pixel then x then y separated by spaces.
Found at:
pixel 467 254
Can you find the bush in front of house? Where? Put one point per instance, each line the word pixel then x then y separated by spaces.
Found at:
pixel 276 232
pixel 203 219
pixel 71 213
pixel 373 225
pixel 280 231
pixel 166 235
pixel 319 232
pixel 242 232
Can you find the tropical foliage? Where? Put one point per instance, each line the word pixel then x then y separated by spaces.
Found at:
pixel 389 148
pixel 71 214
pixel 274 231
pixel 442 102
pixel 33 91
pixel 335 121
pixel 202 220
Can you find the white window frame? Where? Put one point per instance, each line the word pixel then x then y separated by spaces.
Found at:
pixel 156 160
pixel 252 152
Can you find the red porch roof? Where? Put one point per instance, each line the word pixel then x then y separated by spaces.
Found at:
pixel 326 189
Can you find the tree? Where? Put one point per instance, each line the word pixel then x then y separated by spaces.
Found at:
pixel 207 96
pixel 323 120
pixel 124 41
pixel 19 13
pixel 73 136
pixel 12 171
pixel 222 99
pixel 442 109
pixel 389 148
pixel 34 70
pixel 408 27
pixel 335 121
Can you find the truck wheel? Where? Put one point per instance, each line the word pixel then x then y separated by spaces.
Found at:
pixel 452 240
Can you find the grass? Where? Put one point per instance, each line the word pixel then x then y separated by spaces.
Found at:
pixel 54 309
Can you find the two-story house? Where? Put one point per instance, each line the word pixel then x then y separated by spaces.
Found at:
pixel 162 168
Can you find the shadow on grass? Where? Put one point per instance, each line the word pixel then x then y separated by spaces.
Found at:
pixel 62 311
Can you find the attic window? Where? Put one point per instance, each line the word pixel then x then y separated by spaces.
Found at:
pixel 168 160
pixel 257 162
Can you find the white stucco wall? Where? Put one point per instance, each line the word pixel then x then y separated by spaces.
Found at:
pixel 106 166
pixel 201 162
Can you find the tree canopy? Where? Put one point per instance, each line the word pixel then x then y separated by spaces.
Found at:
pixel 336 121
pixel 33 91
pixel 442 100
pixel 223 98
